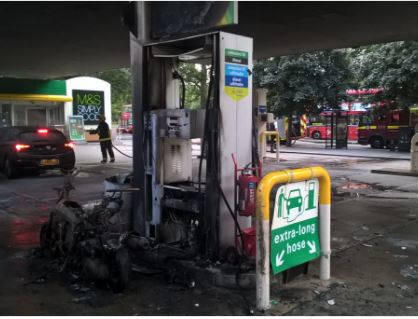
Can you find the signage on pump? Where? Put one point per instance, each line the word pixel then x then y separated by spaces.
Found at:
pixel 236 74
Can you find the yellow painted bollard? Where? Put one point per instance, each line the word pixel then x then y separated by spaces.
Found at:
pixel 263 140
pixel 303 125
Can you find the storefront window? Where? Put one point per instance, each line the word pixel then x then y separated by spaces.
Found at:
pixel 36 114
pixel 5 115
pixel 19 114
pixel 56 116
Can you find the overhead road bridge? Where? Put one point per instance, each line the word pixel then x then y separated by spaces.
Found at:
pixel 49 40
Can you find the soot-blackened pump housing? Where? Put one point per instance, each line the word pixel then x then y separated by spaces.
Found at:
pixel 188 195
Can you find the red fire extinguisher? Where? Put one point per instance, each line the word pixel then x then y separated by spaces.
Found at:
pixel 245 204
pixel 247 187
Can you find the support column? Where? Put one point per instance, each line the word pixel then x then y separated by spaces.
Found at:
pixel 137 68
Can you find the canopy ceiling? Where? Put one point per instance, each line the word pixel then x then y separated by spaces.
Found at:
pixel 62 39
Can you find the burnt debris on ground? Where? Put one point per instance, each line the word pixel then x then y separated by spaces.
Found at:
pixel 91 249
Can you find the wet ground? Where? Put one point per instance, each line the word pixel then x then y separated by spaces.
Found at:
pixel 374 228
pixel 374 262
pixel 29 287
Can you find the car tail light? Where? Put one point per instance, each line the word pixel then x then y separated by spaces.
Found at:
pixel 20 147
pixel 69 144
pixel 43 131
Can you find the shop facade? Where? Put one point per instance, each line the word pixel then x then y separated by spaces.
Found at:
pixel 32 102
pixel 27 102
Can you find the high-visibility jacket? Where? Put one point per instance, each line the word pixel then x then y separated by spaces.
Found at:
pixel 103 131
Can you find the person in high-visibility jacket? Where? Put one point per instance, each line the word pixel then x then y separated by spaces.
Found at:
pixel 105 139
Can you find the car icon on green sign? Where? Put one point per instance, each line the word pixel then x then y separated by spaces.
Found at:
pixel 294 201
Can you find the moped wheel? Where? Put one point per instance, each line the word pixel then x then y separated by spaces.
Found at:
pixel 44 236
pixel 122 270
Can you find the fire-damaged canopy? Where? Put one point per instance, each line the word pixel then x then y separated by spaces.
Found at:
pixel 54 39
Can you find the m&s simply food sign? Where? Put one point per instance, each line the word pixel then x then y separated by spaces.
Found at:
pixel 89 105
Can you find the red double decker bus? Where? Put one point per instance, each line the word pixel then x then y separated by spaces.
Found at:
pixel 317 127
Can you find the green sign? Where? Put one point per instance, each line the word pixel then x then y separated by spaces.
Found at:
pixel 236 56
pixel 76 128
pixel 29 86
pixel 294 231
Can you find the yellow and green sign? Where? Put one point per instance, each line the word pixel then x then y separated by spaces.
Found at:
pixel 231 14
pixel 295 233
pixel 236 74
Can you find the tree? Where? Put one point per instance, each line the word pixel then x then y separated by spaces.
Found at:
pixel 121 91
pixel 195 77
pixel 393 67
pixel 303 83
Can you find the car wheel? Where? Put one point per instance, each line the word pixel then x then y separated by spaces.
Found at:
pixel 376 142
pixel 66 171
pixel 34 172
pixel 316 135
pixel 10 170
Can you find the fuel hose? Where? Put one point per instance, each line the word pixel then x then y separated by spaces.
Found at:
pixel 124 154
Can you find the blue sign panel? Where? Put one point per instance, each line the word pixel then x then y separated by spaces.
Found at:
pixel 236 81
pixel 262 109
pixel 236 70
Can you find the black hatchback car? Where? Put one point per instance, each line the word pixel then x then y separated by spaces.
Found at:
pixel 34 148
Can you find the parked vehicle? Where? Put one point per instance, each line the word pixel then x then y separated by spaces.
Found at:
pixel 319 126
pixel 125 120
pixel 386 127
pixel 34 148
pixel 353 106
pixel 125 129
pixel 298 128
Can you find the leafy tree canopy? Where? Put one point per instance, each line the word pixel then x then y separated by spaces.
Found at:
pixel 121 89
pixel 196 80
pixel 391 66
pixel 303 83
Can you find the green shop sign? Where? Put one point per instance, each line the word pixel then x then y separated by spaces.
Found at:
pixel 294 231
pixel 76 128
pixel 29 86
pixel 89 105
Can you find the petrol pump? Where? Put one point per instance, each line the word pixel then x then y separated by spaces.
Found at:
pixel 187 203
